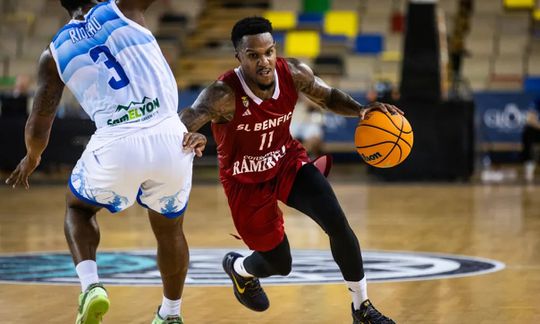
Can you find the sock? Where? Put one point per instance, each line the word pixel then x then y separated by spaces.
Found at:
pixel 358 290
pixel 87 272
pixel 240 269
pixel 169 307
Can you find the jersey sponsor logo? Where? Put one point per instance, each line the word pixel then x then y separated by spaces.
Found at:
pixel 136 111
pixel 83 31
pixel 309 266
pixel 258 163
pixel 371 157
pixel 245 101
pixel 246 113
pixel 267 124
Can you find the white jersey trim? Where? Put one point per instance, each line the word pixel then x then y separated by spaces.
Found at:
pixel 250 93
pixel 54 54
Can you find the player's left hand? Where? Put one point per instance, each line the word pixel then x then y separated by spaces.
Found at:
pixel 195 142
pixel 25 168
pixel 386 108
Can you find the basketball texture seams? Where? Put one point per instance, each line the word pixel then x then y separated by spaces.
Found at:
pixel 383 140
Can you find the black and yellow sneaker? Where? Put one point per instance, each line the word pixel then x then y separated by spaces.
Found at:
pixel 368 314
pixel 248 291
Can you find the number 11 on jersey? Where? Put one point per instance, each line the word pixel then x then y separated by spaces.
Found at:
pixel 264 136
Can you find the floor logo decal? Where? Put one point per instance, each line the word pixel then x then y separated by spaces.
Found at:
pixel 309 267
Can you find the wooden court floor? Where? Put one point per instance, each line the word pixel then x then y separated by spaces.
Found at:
pixel 500 222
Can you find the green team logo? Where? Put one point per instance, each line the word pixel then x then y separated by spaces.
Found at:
pixel 136 111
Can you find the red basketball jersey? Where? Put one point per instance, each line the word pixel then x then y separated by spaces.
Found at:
pixel 253 145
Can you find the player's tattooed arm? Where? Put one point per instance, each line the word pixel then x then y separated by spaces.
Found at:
pixel 39 123
pixel 216 103
pixel 328 97
pixel 48 93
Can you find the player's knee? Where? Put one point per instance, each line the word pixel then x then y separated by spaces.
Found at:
pixel 76 207
pixel 335 224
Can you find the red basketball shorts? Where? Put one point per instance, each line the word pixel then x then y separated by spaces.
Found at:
pixel 254 207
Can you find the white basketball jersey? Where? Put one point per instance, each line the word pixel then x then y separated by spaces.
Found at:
pixel 116 70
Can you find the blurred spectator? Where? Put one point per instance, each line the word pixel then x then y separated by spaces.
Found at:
pixel 383 91
pixel 531 136
pixel 17 102
pixel 397 19
pixel 307 126
pixel 456 41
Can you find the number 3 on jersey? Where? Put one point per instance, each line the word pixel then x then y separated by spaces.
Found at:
pixel 110 63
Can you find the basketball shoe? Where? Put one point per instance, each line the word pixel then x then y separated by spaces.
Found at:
pixel 248 291
pixel 368 314
pixel 93 304
pixel 169 320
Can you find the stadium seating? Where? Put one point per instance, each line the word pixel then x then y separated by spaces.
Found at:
pixel 195 37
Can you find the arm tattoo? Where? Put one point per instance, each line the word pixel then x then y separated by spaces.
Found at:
pixel 321 93
pixel 343 104
pixel 39 124
pixel 216 103
pixel 50 87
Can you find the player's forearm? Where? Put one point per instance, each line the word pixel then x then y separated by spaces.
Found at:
pixel 37 133
pixel 343 104
pixel 192 119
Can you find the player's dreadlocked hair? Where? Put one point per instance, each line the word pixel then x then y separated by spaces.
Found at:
pixel 72 5
pixel 250 26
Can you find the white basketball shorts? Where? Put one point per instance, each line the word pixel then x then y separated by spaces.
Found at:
pixel 149 166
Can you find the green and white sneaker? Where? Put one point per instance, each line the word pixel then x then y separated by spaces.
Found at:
pixel 93 304
pixel 169 320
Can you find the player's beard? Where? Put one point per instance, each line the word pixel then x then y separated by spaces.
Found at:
pixel 266 87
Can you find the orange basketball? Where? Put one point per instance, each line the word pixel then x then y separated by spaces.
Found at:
pixel 383 140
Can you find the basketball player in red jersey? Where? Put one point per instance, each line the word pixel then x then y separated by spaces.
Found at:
pixel 260 163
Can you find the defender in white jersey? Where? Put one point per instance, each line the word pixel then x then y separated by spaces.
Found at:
pixel 140 151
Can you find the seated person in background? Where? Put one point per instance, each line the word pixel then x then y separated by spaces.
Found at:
pixel 307 126
pixel 383 91
pixel 17 101
pixel 531 135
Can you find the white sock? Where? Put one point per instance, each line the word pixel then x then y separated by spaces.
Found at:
pixel 240 269
pixel 169 307
pixel 358 290
pixel 87 272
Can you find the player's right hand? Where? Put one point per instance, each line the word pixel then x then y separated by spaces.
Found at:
pixel 195 142
pixel 25 168
pixel 384 107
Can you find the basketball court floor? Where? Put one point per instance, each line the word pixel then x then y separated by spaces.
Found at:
pixel 434 253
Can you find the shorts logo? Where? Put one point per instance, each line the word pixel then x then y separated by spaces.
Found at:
pixel 309 266
pixel 135 111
